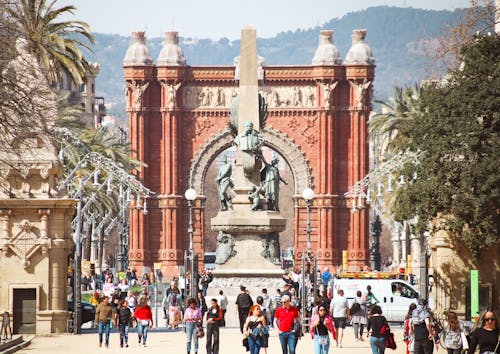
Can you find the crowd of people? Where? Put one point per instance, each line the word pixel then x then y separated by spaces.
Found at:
pixel 282 312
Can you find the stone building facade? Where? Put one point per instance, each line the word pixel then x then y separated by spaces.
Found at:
pixel 317 122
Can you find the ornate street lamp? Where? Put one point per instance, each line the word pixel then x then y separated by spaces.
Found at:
pixel 375 257
pixel 308 195
pixel 191 195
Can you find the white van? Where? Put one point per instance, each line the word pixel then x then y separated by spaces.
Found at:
pixel 394 295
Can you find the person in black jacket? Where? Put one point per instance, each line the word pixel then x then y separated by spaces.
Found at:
pixel 123 318
pixel 243 304
pixel 375 323
pixel 486 336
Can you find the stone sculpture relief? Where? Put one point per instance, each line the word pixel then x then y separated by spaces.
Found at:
pixel 298 96
pixel 271 247
pixel 328 90
pixel 360 91
pixel 171 93
pixel 138 90
pixel 225 248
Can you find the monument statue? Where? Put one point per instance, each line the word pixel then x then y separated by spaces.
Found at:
pixel 270 177
pixel 254 196
pixel 223 183
pixel 225 248
pixel 249 140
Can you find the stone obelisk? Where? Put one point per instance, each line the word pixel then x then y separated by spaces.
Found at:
pixel 245 225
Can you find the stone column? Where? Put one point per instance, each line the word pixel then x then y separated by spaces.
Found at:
pixel 396 259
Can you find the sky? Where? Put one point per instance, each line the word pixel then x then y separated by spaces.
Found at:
pixel 216 19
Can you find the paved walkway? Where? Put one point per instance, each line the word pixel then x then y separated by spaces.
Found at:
pixel 162 341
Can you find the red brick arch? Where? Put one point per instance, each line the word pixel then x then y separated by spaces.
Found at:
pixel 317 122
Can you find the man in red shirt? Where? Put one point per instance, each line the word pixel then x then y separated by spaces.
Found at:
pixel 284 318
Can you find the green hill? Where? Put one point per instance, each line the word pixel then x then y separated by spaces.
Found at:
pixel 394 34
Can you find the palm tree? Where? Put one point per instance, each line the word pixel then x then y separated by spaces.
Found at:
pixel 390 125
pixel 56 45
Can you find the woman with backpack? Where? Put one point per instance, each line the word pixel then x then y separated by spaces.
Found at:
pixel 452 334
pixel 358 314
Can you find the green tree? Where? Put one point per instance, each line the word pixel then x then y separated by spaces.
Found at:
pixel 458 171
pixel 56 45
pixel 397 113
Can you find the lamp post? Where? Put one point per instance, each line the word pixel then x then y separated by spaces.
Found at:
pixel 308 195
pixel 191 195
pixel 375 250
pixel 77 290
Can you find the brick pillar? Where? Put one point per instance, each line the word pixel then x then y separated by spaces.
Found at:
pixel 360 79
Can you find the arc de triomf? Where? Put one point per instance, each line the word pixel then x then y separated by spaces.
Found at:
pixel 317 122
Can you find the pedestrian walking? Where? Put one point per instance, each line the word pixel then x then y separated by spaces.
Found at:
pixel 256 329
pixel 214 315
pixel 359 316
pixel 103 317
pixel 123 318
pixel 284 319
pixel 409 336
pixel 486 336
pixel 339 309
pixel 275 304
pixel 321 324
pixel 452 334
pixel 222 301
pixel 202 304
pixel 144 318
pixel 243 304
pixel 174 308
pixel 375 323
pixel 422 327
pixel 266 305
pixel 192 316
pixel 370 298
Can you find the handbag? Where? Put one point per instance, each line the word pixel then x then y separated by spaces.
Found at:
pixel 200 333
pixel 465 342
pixel 385 330
pixel 297 330
pixel 390 342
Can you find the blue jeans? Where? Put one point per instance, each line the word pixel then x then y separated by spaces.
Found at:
pixel 142 332
pixel 287 340
pixel 321 348
pixel 103 327
pixel 123 333
pixel 191 333
pixel 254 343
pixel 377 344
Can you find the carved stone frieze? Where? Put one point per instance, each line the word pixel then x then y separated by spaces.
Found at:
pixel 207 97
pixel 290 97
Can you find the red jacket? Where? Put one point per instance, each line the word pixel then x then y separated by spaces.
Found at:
pixel 143 313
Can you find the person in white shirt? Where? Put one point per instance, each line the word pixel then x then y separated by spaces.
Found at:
pixel 266 305
pixel 222 300
pixel 339 309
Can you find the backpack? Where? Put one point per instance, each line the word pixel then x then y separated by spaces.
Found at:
pixel 355 308
pixel 452 340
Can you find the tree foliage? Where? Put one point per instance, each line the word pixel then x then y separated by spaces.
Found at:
pixel 56 45
pixel 458 173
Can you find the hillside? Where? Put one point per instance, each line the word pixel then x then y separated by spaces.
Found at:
pixel 394 34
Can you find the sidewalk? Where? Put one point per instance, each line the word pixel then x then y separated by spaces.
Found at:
pixel 162 341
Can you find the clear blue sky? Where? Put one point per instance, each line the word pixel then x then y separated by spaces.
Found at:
pixel 225 18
